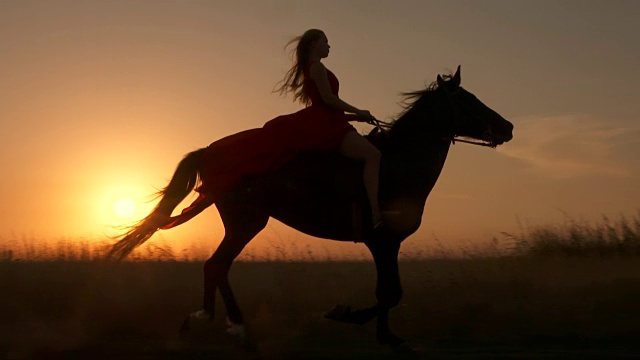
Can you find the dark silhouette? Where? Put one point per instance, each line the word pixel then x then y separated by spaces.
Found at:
pixel 323 195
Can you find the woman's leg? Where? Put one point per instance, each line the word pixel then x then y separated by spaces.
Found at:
pixel 355 146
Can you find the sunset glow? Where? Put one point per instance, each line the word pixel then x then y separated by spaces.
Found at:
pixel 124 207
pixel 101 100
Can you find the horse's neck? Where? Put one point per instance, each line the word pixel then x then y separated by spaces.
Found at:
pixel 413 163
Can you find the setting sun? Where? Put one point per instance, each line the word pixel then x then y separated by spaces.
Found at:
pixel 124 207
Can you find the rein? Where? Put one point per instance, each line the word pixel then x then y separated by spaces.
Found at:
pixel 479 143
pixel 383 126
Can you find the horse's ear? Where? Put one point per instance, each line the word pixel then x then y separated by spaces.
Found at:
pixel 456 77
pixel 440 81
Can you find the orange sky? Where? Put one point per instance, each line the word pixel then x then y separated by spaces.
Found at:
pixel 100 100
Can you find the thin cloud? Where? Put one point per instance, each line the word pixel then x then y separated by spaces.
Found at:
pixel 570 146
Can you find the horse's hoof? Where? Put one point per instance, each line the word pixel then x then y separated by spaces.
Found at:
pixel 199 320
pixel 340 313
pixel 240 331
pixel 201 316
pixel 236 329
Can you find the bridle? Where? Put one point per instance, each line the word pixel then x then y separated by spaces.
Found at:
pixel 384 126
pixel 472 142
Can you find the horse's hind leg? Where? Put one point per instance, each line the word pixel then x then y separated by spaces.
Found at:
pixel 241 226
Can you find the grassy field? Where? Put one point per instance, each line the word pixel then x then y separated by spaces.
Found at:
pixel 577 296
pixel 586 304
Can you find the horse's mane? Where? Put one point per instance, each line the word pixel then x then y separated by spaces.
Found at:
pixel 410 101
pixel 412 98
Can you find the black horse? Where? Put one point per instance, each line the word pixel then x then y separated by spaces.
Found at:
pixel 323 195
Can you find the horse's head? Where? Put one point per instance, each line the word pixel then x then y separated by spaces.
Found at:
pixel 470 116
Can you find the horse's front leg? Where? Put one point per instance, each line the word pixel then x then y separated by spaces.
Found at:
pixel 388 287
pixel 388 293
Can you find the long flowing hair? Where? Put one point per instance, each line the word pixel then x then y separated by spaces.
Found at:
pixel 293 81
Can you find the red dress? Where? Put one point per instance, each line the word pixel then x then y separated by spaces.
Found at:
pixel 230 159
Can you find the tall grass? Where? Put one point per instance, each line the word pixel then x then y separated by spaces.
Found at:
pixel 606 238
pixel 81 250
pixel 571 238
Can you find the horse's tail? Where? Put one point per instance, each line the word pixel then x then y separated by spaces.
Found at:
pixel 184 180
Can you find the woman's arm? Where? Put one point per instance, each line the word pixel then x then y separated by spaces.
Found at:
pixel 318 74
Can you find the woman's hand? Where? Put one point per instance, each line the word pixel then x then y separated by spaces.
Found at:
pixel 364 115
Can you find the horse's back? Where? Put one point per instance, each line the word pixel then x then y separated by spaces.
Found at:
pixel 320 194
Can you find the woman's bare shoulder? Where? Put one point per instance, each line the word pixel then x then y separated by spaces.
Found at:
pixel 316 69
